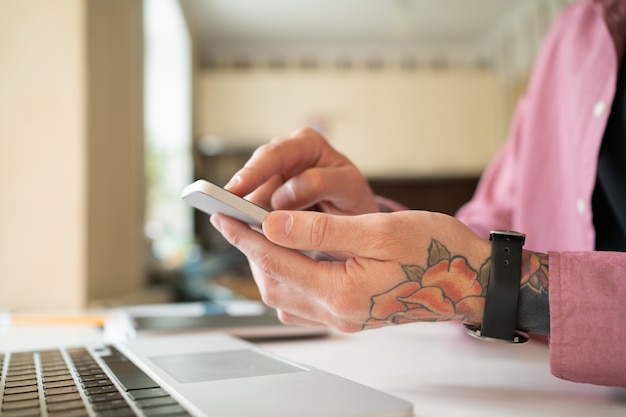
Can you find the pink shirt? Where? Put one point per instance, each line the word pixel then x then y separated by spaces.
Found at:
pixel 541 184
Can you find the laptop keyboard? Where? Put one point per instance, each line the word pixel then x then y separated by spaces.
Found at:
pixel 71 383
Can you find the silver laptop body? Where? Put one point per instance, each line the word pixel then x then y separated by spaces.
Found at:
pixel 200 374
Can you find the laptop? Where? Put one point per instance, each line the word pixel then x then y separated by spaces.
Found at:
pixel 210 374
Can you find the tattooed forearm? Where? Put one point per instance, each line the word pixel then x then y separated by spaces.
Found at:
pixel 533 311
pixel 449 288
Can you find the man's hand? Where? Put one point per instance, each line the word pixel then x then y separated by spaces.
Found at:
pixel 399 267
pixel 301 172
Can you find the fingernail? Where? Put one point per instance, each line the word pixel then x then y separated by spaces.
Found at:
pixel 290 192
pixel 233 181
pixel 284 197
pixel 280 224
pixel 215 221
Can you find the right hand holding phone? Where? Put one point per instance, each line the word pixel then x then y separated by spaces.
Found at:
pixel 401 267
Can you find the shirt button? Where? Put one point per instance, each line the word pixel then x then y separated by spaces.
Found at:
pixel 599 108
pixel 581 206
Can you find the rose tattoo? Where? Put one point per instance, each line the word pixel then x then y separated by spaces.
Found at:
pixel 447 289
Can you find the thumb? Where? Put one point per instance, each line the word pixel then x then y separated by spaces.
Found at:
pixel 315 231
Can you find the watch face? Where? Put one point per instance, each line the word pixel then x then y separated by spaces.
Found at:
pixel 507 233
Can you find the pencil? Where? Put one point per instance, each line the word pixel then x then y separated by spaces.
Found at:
pixel 97 320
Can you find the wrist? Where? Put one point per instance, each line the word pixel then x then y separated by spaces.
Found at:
pixel 533 312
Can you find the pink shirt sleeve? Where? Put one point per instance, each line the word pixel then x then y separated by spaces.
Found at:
pixel 588 334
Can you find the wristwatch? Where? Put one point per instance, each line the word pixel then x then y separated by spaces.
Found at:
pixel 500 316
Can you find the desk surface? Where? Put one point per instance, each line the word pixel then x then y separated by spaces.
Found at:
pixel 437 367
pixel 445 372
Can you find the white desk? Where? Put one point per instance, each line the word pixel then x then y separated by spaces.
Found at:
pixel 445 372
pixel 438 367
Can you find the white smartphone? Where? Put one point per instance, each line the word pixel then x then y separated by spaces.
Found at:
pixel 211 199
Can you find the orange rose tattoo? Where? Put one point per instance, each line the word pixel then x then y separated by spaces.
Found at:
pixel 535 271
pixel 447 289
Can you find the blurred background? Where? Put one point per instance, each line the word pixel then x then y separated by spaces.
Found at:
pixel 108 108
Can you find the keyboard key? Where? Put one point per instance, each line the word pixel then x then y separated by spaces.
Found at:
pixel 108 396
pixel 61 390
pixel 130 376
pixel 58 384
pixel 96 383
pixel 20 390
pixel 55 370
pixel 47 374
pixel 164 411
pixel 29 412
pixel 155 402
pixel 20 383
pixel 87 373
pixel 30 372
pixel 16 405
pixel 62 398
pixel 69 413
pixel 110 405
pixel 148 393
pixel 118 412
pixel 101 390
pixel 66 405
pixel 58 378
pixel 92 376
pixel 20 396
pixel 53 365
pixel 18 359
pixel 21 377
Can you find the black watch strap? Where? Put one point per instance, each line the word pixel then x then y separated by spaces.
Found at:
pixel 500 316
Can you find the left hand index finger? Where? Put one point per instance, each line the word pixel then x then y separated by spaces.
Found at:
pixel 282 156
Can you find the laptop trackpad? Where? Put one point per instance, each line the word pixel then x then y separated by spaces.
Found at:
pixel 213 366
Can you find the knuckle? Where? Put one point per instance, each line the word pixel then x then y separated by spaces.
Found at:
pixel 269 298
pixel 267 263
pixel 382 232
pixel 315 181
pixel 318 231
pixel 267 148
pixel 276 140
pixel 267 291
pixel 260 150
pixel 344 324
pixel 343 306
pixel 233 238
pixel 305 132
pixel 339 307
pixel 285 317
